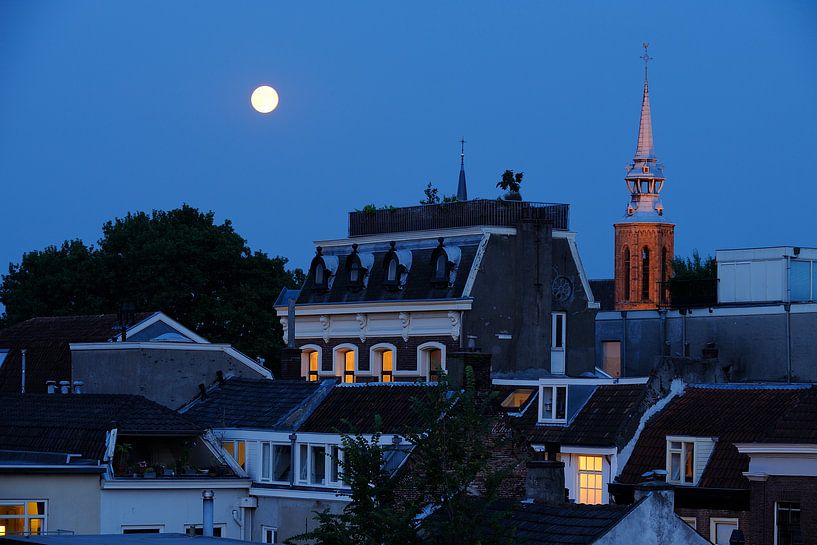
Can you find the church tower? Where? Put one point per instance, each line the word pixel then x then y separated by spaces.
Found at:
pixel 644 245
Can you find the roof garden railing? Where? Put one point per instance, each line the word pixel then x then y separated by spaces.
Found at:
pixel 500 213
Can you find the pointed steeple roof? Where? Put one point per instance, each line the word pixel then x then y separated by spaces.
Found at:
pixel 645 149
pixel 462 190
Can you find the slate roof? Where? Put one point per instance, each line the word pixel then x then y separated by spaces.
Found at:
pixel 732 414
pixel 418 284
pixel 608 418
pixel 76 423
pixel 352 408
pixel 546 524
pixel 247 403
pixel 604 292
pixel 46 341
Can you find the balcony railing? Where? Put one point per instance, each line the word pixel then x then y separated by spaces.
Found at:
pixel 456 214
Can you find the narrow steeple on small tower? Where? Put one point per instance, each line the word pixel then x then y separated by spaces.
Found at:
pixel 644 245
pixel 462 190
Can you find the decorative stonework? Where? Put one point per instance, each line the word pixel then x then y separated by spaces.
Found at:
pixel 405 321
pixel 362 319
pixel 454 318
pixel 285 327
pixel 325 323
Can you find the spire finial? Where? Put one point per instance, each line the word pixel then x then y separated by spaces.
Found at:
pixel 462 190
pixel 647 58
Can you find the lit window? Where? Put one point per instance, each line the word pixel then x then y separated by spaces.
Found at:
pixel 553 403
pixel 720 530
pixel 236 449
pixel 787 523
pixel 386 368
pixel 590 479
pixel 382 361
pixel 349 367
pixel 611 358
pixel 517 398
pixel 22 517
pixel 313 365
pixel 681 462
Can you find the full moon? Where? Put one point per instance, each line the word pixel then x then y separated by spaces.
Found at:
pixel 264 99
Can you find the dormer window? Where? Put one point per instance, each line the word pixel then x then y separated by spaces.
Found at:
pixel 441 266
pixel 355 269
pixel 319 272
pixel 391 264
pixel 687 458
pixel 553 404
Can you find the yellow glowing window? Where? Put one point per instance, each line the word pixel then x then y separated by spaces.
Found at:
pixel 590 479
pixel 236 449
pixel 517 398
pixel 19 517
pixel 349 366
pixel 313 366
pixel 387 366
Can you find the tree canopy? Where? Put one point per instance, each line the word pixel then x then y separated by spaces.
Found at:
pixel 694 281
pixel 181 262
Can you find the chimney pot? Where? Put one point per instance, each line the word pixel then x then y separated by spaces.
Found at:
pixel 78 386
pixel 65 387
pixel 545 481
pixel 51 386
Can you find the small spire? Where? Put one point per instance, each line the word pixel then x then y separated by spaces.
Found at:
pixel 645 149
pixel 462 190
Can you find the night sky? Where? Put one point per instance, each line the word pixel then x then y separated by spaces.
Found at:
pixel 108 107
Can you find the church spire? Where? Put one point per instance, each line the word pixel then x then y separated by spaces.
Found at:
pixel 462 190
pixel 645 149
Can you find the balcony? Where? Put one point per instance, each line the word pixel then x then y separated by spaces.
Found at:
pixel 424 217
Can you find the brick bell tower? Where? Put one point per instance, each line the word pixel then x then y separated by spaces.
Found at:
pixel 644 245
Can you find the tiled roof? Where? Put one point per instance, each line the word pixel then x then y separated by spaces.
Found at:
pixel 247 403
pixel 533 523
pixel 609 418
pixel 46 341
pixel 418 285
pixel 732 414
pixel 353 408
pixel 76 423
pixel 604 292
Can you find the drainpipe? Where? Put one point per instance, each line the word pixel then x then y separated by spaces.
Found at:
pixel 292 458
pixel 23 378
pixel 787 308
pixel 624 343
pixel 207 512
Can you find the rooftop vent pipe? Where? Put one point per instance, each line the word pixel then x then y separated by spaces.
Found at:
pixel 51 386
pixel 78 386
pixel 207 512
pixel 65 387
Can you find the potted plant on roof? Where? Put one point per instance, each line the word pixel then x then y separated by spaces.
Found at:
pixel 121 455
pixel 511 183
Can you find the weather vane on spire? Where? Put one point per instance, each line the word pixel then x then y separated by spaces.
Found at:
pixel 646 57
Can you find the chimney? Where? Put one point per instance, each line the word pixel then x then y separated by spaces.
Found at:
pixel 78 385
pixel 50 386
pixel 65 387
pixel 207 512
pixel 290 364
pixel 545 481
pixel 656 485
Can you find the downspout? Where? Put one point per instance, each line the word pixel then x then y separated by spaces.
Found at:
pixel 787 308
pixel 23 372
pixel 624 343
pixel 292 457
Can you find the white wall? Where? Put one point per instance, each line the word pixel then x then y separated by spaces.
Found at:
pixel 169 508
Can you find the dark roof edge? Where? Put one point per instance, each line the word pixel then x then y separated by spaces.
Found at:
pixel 295 418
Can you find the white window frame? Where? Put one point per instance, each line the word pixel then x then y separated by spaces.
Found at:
pixel 305 351
pixel 552 419
pixel 776 505
pixel 340 365
pixel 423 364
pixel 683 440
pixel 222 527
pixel 236 449
pixel 381 347
pixel 555 316
pixel 714 521
pixel 265 529
pixel 691 521
pixel 26 517
pixel 160 527
pixel 328 482
pixel 580 472
pixel 271 466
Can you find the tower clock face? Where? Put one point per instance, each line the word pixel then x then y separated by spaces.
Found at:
pixel 562 288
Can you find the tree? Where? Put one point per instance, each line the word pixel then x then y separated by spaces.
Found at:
pixel 451 446
pixel 432 195
pixel 694 282
pixel 511 183
pixel 180 262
